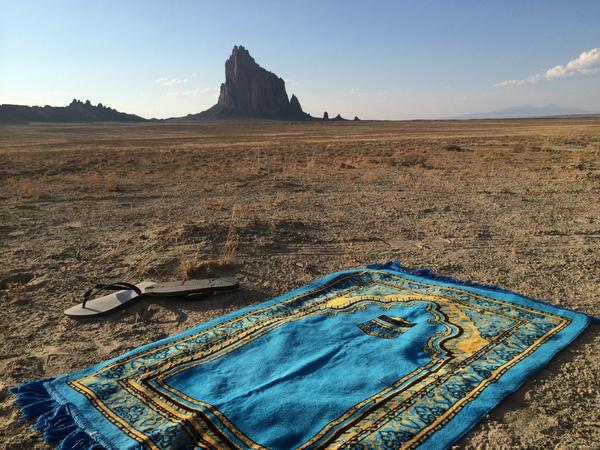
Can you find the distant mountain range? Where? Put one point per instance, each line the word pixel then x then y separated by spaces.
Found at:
pixel 249 92
pixel 518 112
pixel 76 111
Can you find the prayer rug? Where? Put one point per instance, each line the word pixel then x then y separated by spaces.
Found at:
pixel 377 357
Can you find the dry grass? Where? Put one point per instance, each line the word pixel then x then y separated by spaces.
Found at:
pixel 191 268
pixel 369 177
pixel 94 182
pixel 338 216
pixel 25 188
pixel 230 246
pixel 413 159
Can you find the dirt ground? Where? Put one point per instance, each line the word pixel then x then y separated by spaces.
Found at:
pixel 513 203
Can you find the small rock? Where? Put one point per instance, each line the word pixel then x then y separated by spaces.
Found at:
pixel 73 225
pixel 36 284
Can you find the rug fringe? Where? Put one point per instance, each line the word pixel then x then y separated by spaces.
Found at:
pixel 429 274
pixel 52 419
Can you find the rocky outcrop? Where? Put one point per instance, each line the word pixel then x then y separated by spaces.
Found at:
pixel 249 91
pixel 295 109
pixel 76 111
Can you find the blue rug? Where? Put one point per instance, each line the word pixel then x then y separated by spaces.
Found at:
pixel 377 357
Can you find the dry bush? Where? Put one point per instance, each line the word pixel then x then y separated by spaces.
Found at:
pixel 370 177
pixel 414 160
pixel 197 267
pixel 230 246
pixel 302 198
pixel 547 146
pixel 109 182
pixel 577 161
pixel 247 169
pixel 411 159
pixel 287 166
pixel 24 188
pixel 311 164
pixel 400 178
pixel 192 268
pixel 338 216
pixel 96 180
pixel 112 183
pixel 281 198
pixel 347 164
pixel 186 268
pixel 258 165
pixel 367 163
pixel 140 179
pixel 453 148
pixel 594 149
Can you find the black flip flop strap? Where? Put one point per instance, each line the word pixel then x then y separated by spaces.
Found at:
pixel 118 286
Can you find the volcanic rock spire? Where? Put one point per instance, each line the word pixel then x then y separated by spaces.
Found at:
pixel 249 91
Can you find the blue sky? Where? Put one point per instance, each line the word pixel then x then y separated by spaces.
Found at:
pixel 386 60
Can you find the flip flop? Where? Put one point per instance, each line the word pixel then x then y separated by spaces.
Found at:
pixel 127 293
pixel 192 287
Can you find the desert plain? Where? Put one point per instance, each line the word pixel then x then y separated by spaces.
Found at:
pixel 514 203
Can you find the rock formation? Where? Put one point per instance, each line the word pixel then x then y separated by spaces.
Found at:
pixel 76 111
pixel 295 109
pixel 249 91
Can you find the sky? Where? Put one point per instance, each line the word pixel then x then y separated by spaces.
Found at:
pixel 377 60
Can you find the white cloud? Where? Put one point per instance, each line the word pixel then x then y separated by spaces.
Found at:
pixel 170 81
pixel 291 82
pixel 192 92
pixel 588 63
